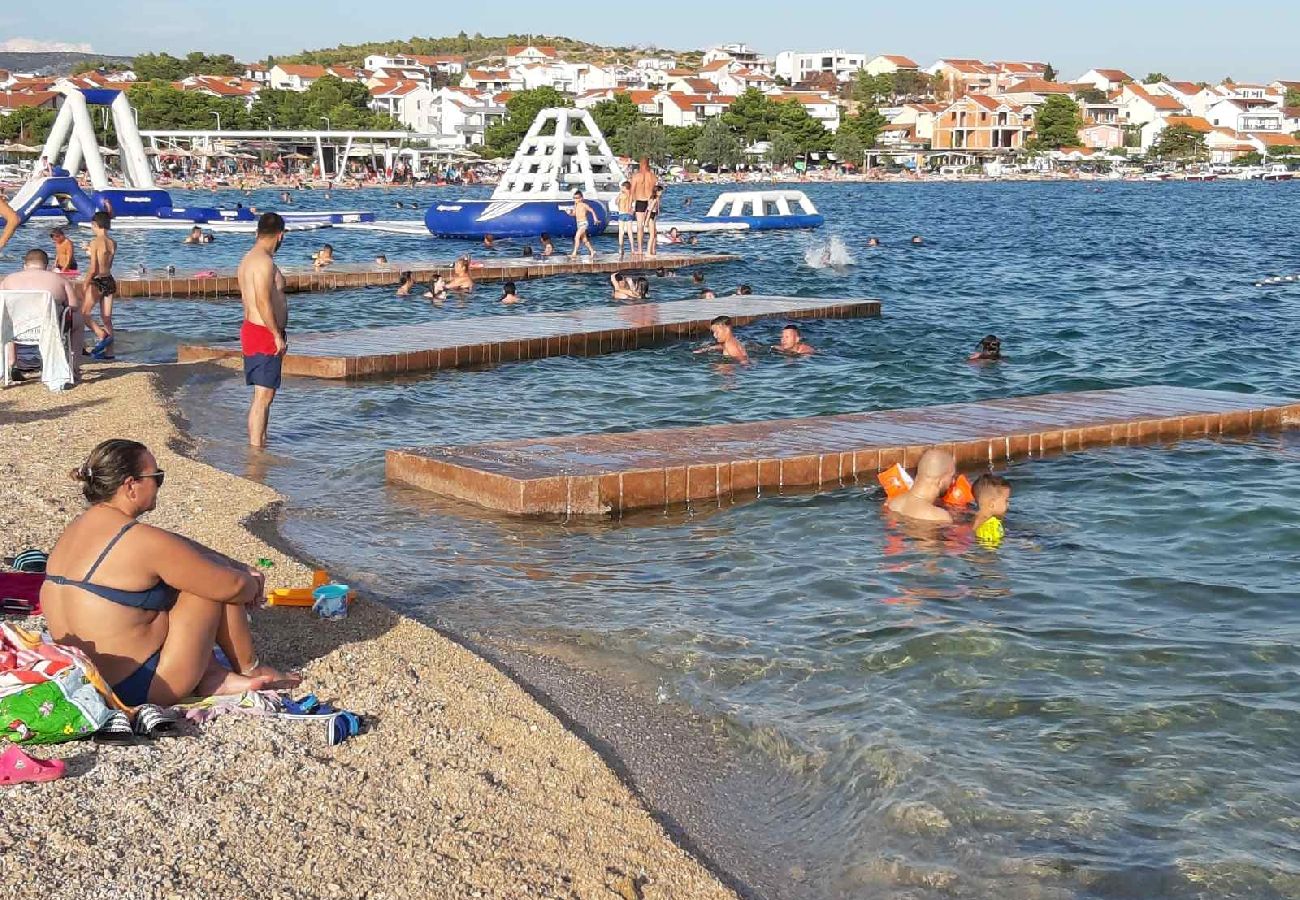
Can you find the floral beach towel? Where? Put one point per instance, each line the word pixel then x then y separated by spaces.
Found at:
pixel 49 693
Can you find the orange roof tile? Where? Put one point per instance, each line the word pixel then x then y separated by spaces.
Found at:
pixel 302 71
pixel 902 62
pixel 1196 123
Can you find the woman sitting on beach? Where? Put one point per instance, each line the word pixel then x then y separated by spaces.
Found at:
pixel 146 605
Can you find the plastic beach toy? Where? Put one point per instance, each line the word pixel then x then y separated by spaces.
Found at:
pixel 303 596
pixel 895 481
pixel 331 601
pixel 961 493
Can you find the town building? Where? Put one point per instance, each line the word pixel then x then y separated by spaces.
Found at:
pixel 1105 79
pixel 890 65
pixel 797 68
pixel 979 122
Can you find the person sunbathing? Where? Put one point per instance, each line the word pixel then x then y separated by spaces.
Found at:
pixel 146 605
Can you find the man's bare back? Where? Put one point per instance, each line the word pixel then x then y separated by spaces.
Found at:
pixel 102 251
pixel 261 288
pixel 644 183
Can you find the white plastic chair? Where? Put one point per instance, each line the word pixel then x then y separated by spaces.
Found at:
pixel 33 318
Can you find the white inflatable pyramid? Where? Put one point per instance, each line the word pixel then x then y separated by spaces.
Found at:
pixel 563 152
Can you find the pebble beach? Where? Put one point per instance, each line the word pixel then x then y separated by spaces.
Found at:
pixel 462 785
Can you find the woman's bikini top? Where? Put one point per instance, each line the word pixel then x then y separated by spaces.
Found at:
pixel 158 598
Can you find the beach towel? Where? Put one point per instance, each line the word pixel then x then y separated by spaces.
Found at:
pixel 49 693
pixel 20 593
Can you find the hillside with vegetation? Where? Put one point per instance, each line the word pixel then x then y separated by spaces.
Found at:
pixel 476 47
pixel 57 62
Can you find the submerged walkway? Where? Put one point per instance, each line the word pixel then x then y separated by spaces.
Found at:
pixel 456 343
pixel 614 473
pixel 304 279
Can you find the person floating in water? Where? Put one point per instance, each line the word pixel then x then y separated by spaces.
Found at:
pixel 548 248
pixel 793 343
pixel 708 294
pixel 917 240
pixel 509 294
pixel 873 241
pixel 726 340
pixel 990 348
pixel 323 257
pixel 744 290
pixel 993 494
pixel 194 237
pixel 381 260
pixel 488 242
pixel 934 475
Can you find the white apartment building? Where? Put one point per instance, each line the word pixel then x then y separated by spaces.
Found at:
pixel 798 67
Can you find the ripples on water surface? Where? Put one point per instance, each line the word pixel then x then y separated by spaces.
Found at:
pixel 1106 706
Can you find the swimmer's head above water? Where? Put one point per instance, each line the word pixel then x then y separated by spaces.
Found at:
pixel 990 347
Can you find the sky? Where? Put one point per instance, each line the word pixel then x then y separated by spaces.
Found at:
pixel 1191 41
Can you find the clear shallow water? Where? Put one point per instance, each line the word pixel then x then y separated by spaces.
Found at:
pixel 1107 706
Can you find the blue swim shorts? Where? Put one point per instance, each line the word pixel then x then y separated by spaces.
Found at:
pixel 263 370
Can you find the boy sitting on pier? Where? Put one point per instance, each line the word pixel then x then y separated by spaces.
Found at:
pixel 726 341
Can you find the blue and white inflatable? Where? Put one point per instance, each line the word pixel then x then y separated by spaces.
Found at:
pixel 535 195
pixel 472 219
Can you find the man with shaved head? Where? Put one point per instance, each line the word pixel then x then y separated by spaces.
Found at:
pixel 934 475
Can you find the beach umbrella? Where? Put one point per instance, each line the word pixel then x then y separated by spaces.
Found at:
pixel 20 148
pixel 109 151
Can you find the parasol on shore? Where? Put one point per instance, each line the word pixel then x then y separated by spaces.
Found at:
pixel 18 148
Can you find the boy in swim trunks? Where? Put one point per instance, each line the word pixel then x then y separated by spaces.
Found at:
pixel 65 259
pixel 652 217
pixel 100 287
pixel 582 211
pixel 993 494
pixel 263 337
pixel 623 205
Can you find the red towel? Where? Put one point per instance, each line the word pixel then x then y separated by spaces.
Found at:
pixel 20 593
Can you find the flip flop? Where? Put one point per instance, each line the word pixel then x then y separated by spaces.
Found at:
pixel 154 721
pixel 16 767
pixel 102 345
pixel 117 730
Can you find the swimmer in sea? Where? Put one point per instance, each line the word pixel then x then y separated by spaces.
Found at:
pixel 406 285
pixel 707 294
pixel 437 291
pixel 323 257
pixel 461 279
pixel 934 475
pixel 548 248
pixel 744 290
pixel 488 243
pixel 194 237
pixel 990 349
pixel 873 241
pixel 628 288
pixel 509 294
pixel 793 343
pixel 993 494
pixel 726 340
pixel 381 260
pixel 917 240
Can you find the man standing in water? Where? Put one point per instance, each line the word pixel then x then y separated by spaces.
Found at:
pixel 263 336
pixel 644 183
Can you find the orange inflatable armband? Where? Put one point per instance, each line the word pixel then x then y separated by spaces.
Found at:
pixel 961 493
pixel 895 481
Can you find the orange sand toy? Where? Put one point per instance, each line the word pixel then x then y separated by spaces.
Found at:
pixel 302 596
pixel 895 481
pixel 961 493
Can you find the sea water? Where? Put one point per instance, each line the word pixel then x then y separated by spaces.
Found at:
pixel 1105 706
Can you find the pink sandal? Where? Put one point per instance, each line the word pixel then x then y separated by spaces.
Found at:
pixel 16 767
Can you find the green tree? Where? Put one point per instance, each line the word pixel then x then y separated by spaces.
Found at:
pixel 345 103
pixel 1153 77
pixel 1057 124
pixel 682 141
pixel 911 85
pixel 865 126
pixel 1091 95
pixel 87 65
pixel 160 105
pixel 1050 73
pixel 158 67
pixel 848 147
pixel 783 150
pixel 1292 97
pixel 27 125
pixel 1179 142
pixel 718 145
pixel 645 139
pixel 615 116
pixel 873 89
pixel 792 118
pixel 521 110
pixel 749 116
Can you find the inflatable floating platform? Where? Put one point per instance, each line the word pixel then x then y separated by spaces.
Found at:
pixel 753 211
